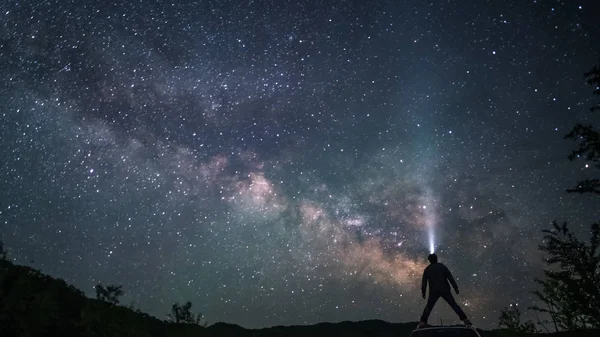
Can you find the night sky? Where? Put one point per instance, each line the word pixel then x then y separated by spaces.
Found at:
pixel 285 162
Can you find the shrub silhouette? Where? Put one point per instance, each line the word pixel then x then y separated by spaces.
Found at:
pixel 183 314
pixel 510 319
pixel 109 294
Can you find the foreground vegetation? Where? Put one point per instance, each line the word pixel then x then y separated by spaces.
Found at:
pixel 570 289
pixel 34 304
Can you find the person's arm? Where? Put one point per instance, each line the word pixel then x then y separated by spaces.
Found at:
pixel 451 279
pixel 424 283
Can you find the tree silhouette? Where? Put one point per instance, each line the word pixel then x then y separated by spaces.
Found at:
pixel 183 314
pixel 570 289
pixel 3 254
pixel 510 318
pixel 588 138
pixel 109 294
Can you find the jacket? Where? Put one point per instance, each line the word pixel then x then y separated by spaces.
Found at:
pixel 438 276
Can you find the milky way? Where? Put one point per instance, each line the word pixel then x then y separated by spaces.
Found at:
pixel 290 162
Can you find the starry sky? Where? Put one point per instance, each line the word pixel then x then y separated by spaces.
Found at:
pixel 286 162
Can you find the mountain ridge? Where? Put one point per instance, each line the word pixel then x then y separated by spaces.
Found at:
pixel 36 304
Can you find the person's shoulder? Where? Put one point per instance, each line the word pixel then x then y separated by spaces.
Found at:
pixel 443 266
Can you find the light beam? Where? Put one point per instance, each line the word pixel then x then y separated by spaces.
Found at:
pixel 431 236
pixel 430 220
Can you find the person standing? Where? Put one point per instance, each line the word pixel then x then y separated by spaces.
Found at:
pixel 437 275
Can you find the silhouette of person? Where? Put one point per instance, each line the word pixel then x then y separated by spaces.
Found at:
pixel 438 275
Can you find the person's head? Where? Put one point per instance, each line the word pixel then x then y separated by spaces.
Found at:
pixel 432 258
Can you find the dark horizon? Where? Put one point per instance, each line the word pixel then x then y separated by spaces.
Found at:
pixel 285 163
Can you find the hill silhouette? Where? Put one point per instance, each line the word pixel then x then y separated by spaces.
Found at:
pixel 35 304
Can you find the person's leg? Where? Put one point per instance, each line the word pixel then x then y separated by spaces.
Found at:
pixel 433 297
pixel 452 302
